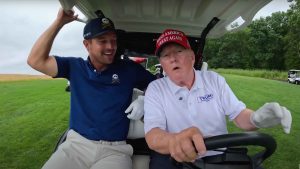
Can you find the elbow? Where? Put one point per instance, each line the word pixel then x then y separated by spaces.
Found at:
pixel 150 142
pixel 35 62
pixel 157 142
pixel 31 61
pixel 152 146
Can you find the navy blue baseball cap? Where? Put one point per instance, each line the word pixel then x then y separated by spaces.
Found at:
pixel 98 26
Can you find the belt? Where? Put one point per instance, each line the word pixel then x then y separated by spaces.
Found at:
pixel 111 143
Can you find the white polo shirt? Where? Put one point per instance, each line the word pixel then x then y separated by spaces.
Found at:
pixel 174 108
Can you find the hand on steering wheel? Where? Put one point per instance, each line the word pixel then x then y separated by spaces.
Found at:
pixel 240 139
pixel 183 147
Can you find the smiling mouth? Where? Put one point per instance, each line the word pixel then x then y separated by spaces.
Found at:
pixel 107 53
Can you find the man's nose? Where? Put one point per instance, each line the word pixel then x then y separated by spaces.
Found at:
pixel 110 45
pixel 173 56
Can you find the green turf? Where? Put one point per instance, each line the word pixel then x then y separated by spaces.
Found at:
pixel 257 91
pixel 34 113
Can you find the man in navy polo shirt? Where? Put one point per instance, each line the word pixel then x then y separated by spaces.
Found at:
pixel 101 90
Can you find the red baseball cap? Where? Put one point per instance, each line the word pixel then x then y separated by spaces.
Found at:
pixel 171 35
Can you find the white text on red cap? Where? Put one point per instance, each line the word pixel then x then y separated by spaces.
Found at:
pixel 169 38
pixel 170 33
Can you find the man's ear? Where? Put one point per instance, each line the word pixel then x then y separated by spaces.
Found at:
pixel 86 43
pixel 192 54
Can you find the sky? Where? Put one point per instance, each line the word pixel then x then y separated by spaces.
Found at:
pixel 23 21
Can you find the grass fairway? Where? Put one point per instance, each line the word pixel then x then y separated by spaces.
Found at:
pixel 257 91
pixel 32 116
pixel 33 113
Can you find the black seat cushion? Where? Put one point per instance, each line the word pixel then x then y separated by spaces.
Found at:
pixel 139 145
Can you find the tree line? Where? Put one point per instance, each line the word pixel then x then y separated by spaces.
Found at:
pixel 271 43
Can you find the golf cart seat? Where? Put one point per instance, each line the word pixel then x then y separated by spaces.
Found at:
pixel 136 138
pixel 233 157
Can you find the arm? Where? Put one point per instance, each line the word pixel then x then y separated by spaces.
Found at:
pixel 158 140
pixel 243 120
pixel 39 58
pixel 182 146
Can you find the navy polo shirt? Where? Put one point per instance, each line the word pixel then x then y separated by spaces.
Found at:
pixel 99 99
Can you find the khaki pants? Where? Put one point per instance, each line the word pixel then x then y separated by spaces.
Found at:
pixel 78 152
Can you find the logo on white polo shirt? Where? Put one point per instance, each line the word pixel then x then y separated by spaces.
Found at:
pixel 205 98
pixel 115 79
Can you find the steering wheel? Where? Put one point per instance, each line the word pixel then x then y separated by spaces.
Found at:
pixel 240 139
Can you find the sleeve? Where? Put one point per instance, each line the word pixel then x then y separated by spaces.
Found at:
pixel 231 105
pixel 144 77
pixel 63 67
pixel 154 114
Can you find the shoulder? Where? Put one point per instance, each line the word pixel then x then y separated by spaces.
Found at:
pixel 209 75
pixel 211 78
pixel 158 84
pixel 129 64
pixel 124 62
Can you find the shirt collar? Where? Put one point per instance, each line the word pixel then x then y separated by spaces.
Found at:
pixel 91 66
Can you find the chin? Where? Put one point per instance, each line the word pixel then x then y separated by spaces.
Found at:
pixel 110 60
pixel 176 78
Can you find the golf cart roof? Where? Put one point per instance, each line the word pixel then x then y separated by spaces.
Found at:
pixel 140 22
pixel 154 16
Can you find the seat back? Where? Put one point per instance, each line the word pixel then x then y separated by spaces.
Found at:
pixel 136 138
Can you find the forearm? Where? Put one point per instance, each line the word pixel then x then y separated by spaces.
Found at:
pixel 158 140
pixel 39 54
pixel 243 120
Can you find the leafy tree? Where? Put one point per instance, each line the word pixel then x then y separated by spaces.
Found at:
pixel 292 39
pixel 266 41
pixel 260 45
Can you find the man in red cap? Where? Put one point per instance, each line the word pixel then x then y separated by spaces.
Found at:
pixel 188 105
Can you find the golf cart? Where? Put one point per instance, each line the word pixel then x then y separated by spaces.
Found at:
pixel 294 76
pixel 140 23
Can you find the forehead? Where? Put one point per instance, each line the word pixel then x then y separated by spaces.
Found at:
pixel 171 45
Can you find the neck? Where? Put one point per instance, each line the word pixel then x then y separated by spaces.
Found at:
pixel 98 66
pixel 187 81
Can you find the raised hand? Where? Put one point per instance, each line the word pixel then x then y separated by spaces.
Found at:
pixel 272 114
